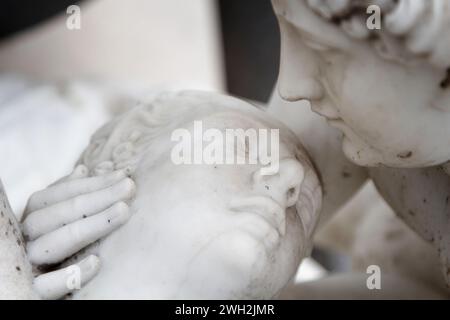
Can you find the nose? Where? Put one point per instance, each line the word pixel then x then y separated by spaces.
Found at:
pixel 284 186
pixel 299 67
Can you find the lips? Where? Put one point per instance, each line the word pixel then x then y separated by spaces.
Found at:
pixel 325 110
pixel 265 208
pixel 337 123
pixel 331 115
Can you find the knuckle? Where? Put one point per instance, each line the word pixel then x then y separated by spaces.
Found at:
pixel 122 208
pixel 36 254
pixel 128 186
pixel 118 174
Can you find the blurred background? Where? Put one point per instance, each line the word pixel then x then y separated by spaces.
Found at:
pixel 56 80
pixel 213 44
pixel 65 71
pixel 58 85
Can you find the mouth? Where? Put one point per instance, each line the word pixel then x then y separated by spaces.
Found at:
pixel 337 123
pixel 328 113
pixel 263 207
pixel 340 125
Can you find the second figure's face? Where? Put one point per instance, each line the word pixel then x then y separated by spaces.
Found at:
pixel 390 113
pixel 234 232
pixel 215 231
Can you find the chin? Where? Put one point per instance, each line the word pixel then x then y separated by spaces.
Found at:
pixel 268 285
pixel 264 285
pixel 360 153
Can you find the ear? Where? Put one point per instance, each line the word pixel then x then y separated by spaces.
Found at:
pixel 15 270
pixel 308 206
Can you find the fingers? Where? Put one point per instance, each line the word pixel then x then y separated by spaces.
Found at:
pixel 80 171
pixel 72 187
pixel 56 284
pixel 63 242
pixel 62 213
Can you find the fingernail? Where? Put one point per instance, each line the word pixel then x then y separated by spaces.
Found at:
pixel 120 212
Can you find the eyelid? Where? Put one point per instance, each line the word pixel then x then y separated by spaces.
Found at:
pixel 331 37
pixel 321 42
pixel 316 45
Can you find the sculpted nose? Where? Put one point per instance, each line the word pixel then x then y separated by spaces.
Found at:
pixel 296 79
pixel 283 186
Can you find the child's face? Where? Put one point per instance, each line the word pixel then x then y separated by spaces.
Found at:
pixel 216 231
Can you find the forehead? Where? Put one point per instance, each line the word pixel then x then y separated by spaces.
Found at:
pixel 249 118
pixel 310 26
pixel 236 119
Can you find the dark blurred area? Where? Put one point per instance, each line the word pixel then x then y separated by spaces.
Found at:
pixel 251 47
pixel 17 15
pixel 249 32
pixel 249 36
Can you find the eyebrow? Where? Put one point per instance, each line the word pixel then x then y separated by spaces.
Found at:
pixel 336 38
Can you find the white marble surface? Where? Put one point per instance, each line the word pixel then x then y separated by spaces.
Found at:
pixel 392 111
pixel 43 129
pixel 187 240
pixel 15 269
pixel 143 42
pixel 387 93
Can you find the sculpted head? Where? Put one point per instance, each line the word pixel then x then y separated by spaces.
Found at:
pixel 387 90
pixel 202 230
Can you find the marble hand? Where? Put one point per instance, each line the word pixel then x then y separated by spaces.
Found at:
pixel 69 215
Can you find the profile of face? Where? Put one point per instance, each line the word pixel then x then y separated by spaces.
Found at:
pixel 216 231
pixel 387 90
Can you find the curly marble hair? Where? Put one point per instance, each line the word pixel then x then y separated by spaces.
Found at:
pixel 410 29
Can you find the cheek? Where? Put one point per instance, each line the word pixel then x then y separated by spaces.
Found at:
pixel 376 91
pixel 370 99
pixel 232 180
pixel 292 247
pixel 287 258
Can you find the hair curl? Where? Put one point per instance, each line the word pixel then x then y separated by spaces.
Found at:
pixel 412 29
